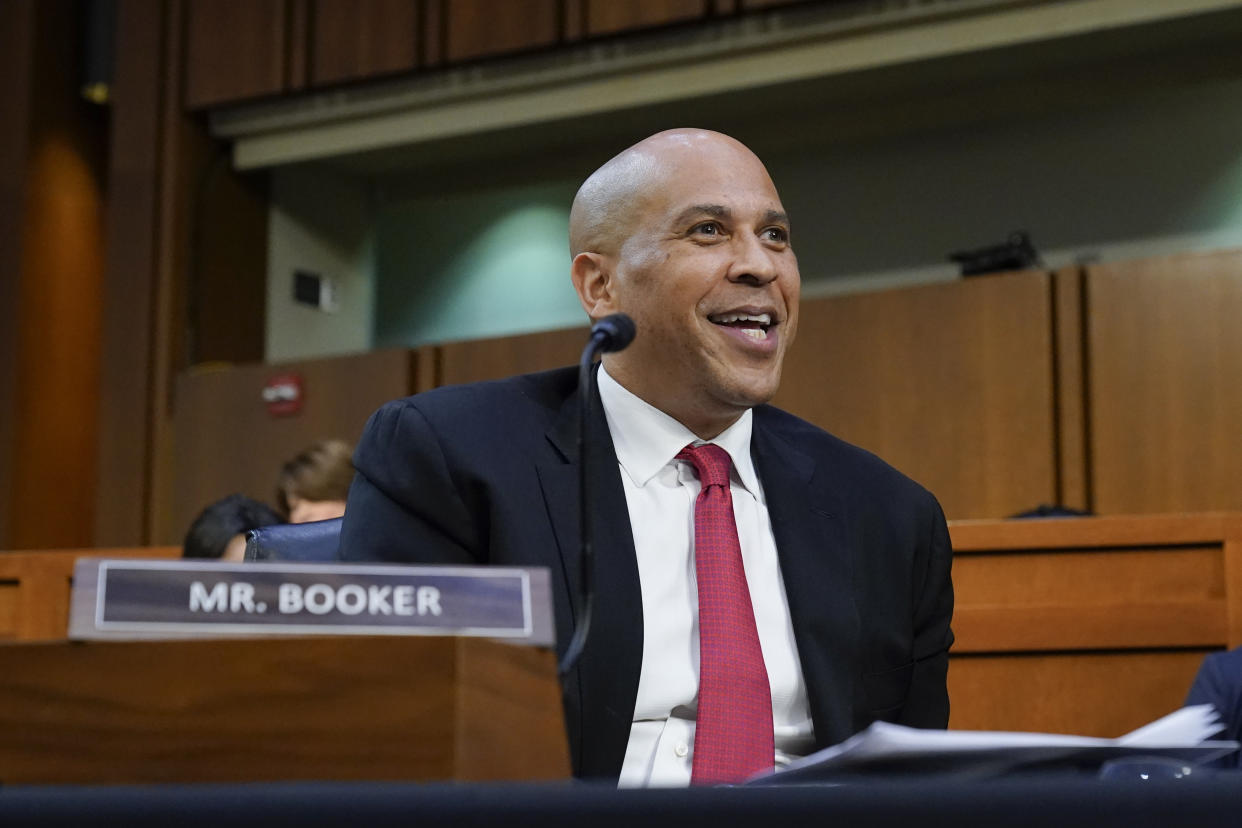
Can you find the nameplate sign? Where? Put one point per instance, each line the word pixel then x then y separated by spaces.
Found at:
pixel 177 599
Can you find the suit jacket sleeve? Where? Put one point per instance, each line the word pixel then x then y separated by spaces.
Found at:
pixel 927 704
pixel 1219 683
pixel 404 504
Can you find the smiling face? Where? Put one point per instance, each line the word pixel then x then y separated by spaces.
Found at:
pixel 706 270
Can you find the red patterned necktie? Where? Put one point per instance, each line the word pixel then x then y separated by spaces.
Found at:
pixel 733 735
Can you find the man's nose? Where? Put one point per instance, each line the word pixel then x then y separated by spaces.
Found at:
pixel 755 263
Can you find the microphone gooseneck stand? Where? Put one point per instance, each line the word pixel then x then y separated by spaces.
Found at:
pixel 612 333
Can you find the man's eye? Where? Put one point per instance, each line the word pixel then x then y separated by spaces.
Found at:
pixel 706 228
pixel 776 234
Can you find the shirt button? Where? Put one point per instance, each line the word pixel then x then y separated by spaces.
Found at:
pixel 681 750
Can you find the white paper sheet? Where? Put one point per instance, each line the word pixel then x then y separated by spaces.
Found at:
pixel 885 747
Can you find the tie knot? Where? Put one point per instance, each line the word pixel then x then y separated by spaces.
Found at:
pixel 711 463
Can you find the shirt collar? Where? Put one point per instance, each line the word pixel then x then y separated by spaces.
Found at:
pixel 646 439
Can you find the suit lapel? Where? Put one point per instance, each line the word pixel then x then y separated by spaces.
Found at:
pixel 606 679
pixel 817 566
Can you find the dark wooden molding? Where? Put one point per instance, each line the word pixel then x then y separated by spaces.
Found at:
pixel 16 27
pixel 1071 393
pixel 129 312
pixel 55 189
pixel 234 50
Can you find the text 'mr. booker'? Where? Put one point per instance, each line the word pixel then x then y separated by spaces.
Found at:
pixel 264 598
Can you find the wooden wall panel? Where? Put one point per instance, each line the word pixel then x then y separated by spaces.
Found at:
pixel 186 153
pixel 433 32
pixel 486 359
pixel 1112 598
pixel 59 273
pixel 1115 576
pixel 9 599
pixel 151 228
pixel 297 45
pixel 575 12
pixel 235 49
pixel 297 708
pixel 134 168
pixel 35 589
pixel 951 383
pixel 1071 396
pixel 1087 694
pixel 479 28
pixel 352 39
pixel 609 16
pixel 226 263
pixel 1164 356
pixel 16 47
pixel 226 441
pixel 1088 625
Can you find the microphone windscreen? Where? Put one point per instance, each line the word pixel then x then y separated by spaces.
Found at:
pixel 613 332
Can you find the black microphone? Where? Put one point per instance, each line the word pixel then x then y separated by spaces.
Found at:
pixel 612 333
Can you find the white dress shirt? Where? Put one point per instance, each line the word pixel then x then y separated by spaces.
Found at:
pixel 660 492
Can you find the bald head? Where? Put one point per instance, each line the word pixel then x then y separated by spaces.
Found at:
pixel 609 201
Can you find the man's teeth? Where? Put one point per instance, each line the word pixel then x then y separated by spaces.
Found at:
pixel 764 319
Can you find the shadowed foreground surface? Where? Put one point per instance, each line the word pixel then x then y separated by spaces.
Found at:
pixel 1050 800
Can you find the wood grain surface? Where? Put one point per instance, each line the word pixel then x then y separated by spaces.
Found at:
pixel 483 28
pixel 1071 398
pixel 1088 625
pixel 951 383
pixel 235 50
pixel 485 359
pixel 34 588
pixel 1166 404
pixel 355 39
pixel 609 17
pixel 373 708
pixel 1086 694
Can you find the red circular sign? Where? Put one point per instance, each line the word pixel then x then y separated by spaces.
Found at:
pixel 283 395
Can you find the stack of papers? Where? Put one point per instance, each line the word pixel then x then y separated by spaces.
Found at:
pixel 889 748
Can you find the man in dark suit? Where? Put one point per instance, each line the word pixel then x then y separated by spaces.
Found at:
pixel 846 562
pixel 1219 683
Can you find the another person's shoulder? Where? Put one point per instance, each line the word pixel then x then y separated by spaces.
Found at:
pixel 866 471
pixel 1224 666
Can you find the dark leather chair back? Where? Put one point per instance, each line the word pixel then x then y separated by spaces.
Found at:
pixel 312 542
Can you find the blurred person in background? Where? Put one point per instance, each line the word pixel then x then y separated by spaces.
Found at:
pixel 314 484
pixel 219 531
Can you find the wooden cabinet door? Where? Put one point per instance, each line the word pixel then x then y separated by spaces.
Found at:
pixel 235 50
pixel 1164 357
pixel 480 28
pixel 354 39
pixel 609 16
pixel 951 383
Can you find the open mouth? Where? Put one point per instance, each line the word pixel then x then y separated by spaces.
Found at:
pixel 754 325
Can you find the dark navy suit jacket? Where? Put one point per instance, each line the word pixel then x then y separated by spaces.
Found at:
pixel 1219 682
pixel 487 473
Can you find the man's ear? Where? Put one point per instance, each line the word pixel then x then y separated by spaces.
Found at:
pixel 596 284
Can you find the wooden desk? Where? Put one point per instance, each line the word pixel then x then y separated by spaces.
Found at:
pixel 383 707
pixel 34 588
pixel 1088 625
pixel 291 708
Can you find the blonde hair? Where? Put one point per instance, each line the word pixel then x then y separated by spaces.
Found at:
pixel 322 472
